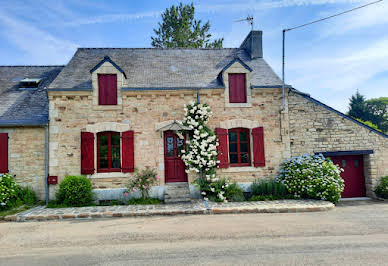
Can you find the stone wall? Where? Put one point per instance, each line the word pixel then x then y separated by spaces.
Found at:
pixel 142 111
pixel 314 128
pixel 26 157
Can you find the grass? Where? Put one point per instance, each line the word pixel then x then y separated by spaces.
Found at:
pixel 16 210
pixel 147 201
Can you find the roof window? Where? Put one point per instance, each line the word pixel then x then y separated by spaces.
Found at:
pixel 29 83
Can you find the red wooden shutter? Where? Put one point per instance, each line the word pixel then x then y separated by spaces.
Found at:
pixel 128 152
pixel 258 146
pixel 87 153
pixel 3 153
pixel 237 90
pixel 107 89
pixel 222 147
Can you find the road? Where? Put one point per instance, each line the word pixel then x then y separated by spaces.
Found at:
pixel 354 233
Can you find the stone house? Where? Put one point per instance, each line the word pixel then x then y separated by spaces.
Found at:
pixel 111 110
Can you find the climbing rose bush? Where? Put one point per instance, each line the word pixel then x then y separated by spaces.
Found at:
pixel 200 152
pixel 312 176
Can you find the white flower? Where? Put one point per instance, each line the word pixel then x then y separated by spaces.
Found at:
pixel 203 193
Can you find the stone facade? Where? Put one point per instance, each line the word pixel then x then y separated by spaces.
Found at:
pixel 26 157
pixel 314 128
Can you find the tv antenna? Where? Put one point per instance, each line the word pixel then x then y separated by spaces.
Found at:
pixel 249 19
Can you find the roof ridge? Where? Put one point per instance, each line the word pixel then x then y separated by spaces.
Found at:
pixel 32 65
pixel 150 48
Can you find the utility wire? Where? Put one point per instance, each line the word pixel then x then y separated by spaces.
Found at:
pixel 335 15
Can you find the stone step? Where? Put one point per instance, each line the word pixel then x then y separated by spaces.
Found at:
pixel 177 192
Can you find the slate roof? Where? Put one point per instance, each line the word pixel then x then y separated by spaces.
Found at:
pixel 163 68
pixel 25 106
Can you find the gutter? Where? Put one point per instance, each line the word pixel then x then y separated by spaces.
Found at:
pixel 46 162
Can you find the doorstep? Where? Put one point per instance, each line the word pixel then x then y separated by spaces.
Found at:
pixel 191 208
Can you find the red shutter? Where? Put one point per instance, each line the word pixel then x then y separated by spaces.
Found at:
pixel 222 147
pixel 107 89
pixel 87 153
pixel 128 152
pixel 237 90
pixel 258 146
pixel 3 153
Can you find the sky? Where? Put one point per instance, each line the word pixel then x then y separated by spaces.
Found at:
pixel 329 60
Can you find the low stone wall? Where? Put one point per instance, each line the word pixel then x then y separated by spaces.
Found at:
pixel 26 157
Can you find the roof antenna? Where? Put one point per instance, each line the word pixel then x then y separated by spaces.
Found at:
pixel 249 19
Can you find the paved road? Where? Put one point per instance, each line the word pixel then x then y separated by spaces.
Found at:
pixel 352 234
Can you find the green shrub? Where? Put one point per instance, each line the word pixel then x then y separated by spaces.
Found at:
pixel 270 197
pixel 219 190
pixel 270 186
pixel 312 176
pixel 382 189
pixel 75 191
pixel 9 192
pixel 28 196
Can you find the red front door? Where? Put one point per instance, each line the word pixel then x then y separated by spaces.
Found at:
pixel 174 166
pixel 353 175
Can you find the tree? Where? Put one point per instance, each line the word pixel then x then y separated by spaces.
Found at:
pixel 357 107
pixel 179 29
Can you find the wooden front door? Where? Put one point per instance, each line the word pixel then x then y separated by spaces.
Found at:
pixel 173 164
pixel 353 175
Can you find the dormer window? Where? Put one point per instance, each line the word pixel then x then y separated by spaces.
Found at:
pixel 29 83
pixel 237 88
pixel 107 89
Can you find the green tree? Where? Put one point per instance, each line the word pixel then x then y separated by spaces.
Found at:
pixel 179 29
pixel 357 107
pixel 377 109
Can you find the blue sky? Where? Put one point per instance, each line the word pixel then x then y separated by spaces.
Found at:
pixel 329 60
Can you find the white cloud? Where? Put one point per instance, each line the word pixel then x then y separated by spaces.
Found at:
pixel 40 47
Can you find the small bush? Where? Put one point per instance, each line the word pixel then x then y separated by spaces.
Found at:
pixel 214 191
pixel 142 181
pixel 270 197
pixel 263 187
pixel 28 196
pixel 75 191
pixel 382 189
pixel 312 176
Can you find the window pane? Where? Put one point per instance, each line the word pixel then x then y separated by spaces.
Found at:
pixel 104 151
pixel 170 146
pixel 243 147
pixel 179 142
pixel 233 158
pixel 343 163
pixel 115 139
pixel 103 140
pixel 232 136
pixel 116 163
pixel 115 151
pixel 232 147
pixel 356 163
pixel 243 136
pixel 244 158
pixel 103 162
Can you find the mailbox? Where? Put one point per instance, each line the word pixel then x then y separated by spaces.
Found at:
pixel 53 180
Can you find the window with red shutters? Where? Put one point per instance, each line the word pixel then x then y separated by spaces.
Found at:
pixel 87 153
pixel 108 152
pixel 222 147
pixel 107 89
pixel 3 153
pixel 239 147
pixel 237 88
pixel 258 147
pixel 128 152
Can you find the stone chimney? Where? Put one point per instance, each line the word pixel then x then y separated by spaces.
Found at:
pixel 253 44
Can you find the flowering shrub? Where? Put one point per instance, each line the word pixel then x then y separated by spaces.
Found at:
pixel 142 181
pixel 75 191
pixel 382 189
pixel 201 148
pixel 9 191
pixel 312 176
pixel 219 189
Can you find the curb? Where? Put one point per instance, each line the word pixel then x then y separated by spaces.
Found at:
pixel 207 210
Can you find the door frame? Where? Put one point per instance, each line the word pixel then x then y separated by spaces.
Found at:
pixel 166 179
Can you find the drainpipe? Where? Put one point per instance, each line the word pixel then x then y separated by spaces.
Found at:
pixel 46 162
pixel 283 85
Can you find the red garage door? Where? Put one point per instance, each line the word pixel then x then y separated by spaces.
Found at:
pixel 353 175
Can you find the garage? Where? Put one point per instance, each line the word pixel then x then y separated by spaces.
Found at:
pixel 353 175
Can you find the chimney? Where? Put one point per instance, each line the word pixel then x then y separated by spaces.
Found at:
pixel 253 44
